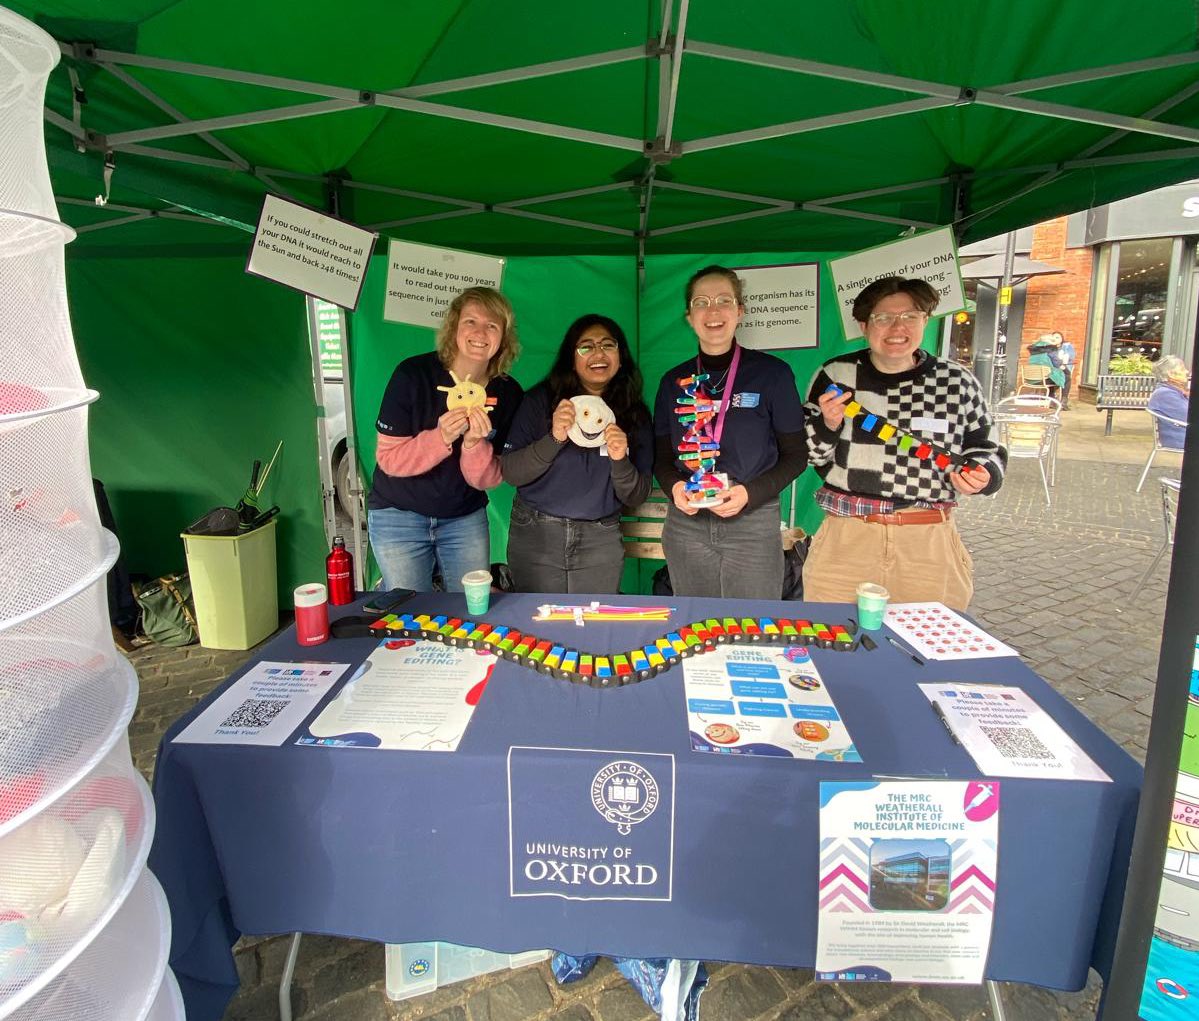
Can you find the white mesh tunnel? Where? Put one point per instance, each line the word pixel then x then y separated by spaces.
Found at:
pixel 84 928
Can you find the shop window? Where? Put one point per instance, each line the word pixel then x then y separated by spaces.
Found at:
pixel 1142 285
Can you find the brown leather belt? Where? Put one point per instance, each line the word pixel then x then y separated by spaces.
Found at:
pixel 926 516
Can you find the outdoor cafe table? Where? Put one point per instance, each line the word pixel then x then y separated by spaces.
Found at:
pixel 406 846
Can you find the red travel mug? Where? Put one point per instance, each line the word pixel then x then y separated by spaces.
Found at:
pixel 312 614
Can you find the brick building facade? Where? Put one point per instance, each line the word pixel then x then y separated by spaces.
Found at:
pixel 1060 302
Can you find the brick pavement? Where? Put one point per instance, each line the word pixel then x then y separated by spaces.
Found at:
pixel 1058 583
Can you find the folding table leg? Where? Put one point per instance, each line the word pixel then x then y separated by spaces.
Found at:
pixel 289 970
pixel 996 1001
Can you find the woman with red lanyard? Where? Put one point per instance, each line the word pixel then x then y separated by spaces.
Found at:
pixel 721 535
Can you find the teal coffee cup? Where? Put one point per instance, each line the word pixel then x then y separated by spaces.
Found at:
pixel 477 586
pixel 872 604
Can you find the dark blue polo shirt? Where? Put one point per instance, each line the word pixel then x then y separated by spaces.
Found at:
pixel 765 401
pixel 578 484
pixel 411 404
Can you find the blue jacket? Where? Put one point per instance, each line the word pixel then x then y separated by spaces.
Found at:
pixel 1170 401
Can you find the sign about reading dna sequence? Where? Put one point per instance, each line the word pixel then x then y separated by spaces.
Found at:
pixel 931 256
pixel 590 825
pixel 422 280
pixel 782 306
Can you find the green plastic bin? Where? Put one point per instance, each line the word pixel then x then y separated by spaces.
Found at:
pixel 235 586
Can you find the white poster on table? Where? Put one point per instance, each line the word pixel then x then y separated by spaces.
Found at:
pixel 310 252
pixel 907 880
pixel 263 706
pixel 931 256
pixel 1007 733
pixel 782 306
pixel 408 694
pixel 744 700
pixel 422 280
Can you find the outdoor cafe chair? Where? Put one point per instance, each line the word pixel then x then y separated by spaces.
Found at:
pixel 1030 436
pixel 1170 488
pixel 1035 378
pixel 1026 408
pixel 1158 418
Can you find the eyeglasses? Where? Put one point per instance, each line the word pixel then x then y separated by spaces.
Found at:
pixel 720 301
pixel 606 347
pixel 906 318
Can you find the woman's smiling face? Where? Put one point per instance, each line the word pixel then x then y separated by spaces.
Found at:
pixel 597 358
pixel 715 324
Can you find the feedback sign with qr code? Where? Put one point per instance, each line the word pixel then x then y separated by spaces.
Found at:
pixel 1008 734
pixel 263 706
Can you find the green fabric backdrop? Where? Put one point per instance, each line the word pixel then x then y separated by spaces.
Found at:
pixel 201 369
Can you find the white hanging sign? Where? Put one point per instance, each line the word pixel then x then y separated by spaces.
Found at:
pixel 310 252
pixel 422 280
pixel 782 306
pixel 931 256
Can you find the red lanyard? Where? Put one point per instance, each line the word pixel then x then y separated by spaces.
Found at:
pixel 718 429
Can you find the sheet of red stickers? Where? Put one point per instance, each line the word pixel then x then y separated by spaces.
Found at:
pixel 935 631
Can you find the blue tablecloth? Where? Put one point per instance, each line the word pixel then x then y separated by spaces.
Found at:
pixel 410 846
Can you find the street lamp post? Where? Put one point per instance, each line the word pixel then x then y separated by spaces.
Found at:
pixel 999 372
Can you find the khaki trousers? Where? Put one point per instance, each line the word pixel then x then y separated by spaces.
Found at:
pixel 915 563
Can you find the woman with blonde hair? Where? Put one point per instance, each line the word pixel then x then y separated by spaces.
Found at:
pixel 443 420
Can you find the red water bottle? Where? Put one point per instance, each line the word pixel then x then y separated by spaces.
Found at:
pixel 339 573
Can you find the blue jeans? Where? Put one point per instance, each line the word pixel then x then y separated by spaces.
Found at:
pixel 407 545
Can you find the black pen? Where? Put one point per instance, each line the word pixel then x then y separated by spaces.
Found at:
pixel 945 722
pixel 907 652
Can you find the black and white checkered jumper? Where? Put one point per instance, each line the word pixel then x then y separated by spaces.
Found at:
pixel 858 462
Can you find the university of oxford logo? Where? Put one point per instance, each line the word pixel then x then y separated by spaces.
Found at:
pixel 624 794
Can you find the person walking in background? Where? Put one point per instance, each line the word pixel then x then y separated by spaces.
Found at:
pixel 888 511
pixel 580 448
pixel 1043 351
pixel 1066 357
pixel 732 548
pixel 443 420
pixel 1171 398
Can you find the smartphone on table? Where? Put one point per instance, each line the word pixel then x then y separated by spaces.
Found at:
pixel 382 603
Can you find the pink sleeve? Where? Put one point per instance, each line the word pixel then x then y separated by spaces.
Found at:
pixel 480 466
pixel 410 455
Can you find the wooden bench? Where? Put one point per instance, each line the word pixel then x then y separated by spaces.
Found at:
pixel 642 528
pixel 1123 393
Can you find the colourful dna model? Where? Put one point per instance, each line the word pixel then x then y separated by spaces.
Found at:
pixel 699 448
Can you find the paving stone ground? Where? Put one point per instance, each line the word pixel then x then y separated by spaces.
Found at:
pixel 1060 583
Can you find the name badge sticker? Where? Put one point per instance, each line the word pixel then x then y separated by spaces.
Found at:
pixel 940 426
pixel 746 400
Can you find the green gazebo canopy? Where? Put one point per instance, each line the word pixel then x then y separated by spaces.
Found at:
pixel 538 127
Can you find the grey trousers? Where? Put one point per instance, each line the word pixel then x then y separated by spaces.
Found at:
pixel 551 554
pixel 734 558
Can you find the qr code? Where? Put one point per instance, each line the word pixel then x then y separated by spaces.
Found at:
pixel 1017 743
pixel 255 712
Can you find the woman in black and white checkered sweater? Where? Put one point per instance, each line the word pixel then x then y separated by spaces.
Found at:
pixel 889 510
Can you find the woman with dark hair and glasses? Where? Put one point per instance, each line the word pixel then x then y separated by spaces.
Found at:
pixel 580 449
pixel 724 468
pixel 888 503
